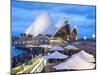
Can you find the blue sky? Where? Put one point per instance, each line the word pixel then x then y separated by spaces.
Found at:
pixel 84 17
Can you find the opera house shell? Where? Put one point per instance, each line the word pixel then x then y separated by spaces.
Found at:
pixel 73 33
pixel 41 25
pixel 44 25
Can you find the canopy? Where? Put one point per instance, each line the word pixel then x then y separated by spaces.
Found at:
pixel 56 55
pixel 56 48
pixel 69 47
pixel 75 63
pixel 86 56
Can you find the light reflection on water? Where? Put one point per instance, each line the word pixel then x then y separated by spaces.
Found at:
pixel 16 52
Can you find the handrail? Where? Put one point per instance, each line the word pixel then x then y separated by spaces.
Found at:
pixel 21 68
pixel 40 64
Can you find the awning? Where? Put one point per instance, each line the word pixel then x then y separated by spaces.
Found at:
pixel 74 63
pixel 86 56
pixel 56 48
pixel 56 55
pixel 69 47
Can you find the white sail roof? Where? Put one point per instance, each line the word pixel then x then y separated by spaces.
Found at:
pixel 56 48
pixel 29 30
pixel 41 24
pixel 56 55
pixel 75 63
pixel 86 56
pixel 70 47
pixel 75 27
pixel 59 25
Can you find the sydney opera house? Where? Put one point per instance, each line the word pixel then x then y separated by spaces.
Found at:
pixel 43 25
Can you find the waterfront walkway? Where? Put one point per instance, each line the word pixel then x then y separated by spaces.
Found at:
pixel 27 68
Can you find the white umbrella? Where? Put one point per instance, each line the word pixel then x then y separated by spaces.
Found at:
pixel 86 56
pixel 69 47
pixel 56 48
pixel 45 56
pixel 56 55
pixel 75 63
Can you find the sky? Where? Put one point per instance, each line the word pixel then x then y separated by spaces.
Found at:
pixel 84 17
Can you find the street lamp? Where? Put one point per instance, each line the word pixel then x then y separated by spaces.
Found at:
pixel 93 35
pixel 85 37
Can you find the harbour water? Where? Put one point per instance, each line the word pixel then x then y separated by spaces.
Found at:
pixel 16 52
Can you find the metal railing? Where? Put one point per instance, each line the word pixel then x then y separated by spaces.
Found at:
pixel 31 64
